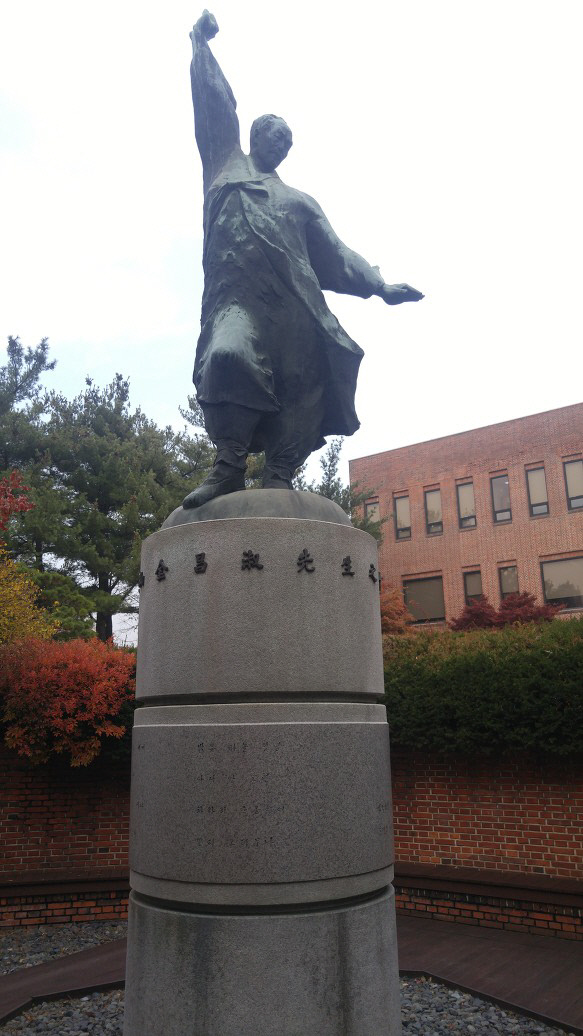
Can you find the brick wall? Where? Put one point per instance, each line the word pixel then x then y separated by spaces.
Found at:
pixel 495 844
pixel 511 446
pixel 512 816
pixel 71 901
pixel 58 822
pixel 526 911
pixel 463 831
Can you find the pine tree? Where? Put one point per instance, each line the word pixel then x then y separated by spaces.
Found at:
pixel 350 498
pixel 120 476
pixel 102 477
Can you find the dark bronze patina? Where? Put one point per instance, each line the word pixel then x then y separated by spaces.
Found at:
pixel 274 369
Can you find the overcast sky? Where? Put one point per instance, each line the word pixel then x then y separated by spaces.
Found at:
pixel 441 139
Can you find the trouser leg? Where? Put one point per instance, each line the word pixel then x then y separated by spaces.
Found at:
pixel 230 427
pixel 290 437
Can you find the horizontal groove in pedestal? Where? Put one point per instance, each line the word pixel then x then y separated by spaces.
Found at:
pixel 261 712
pixel 155 701
pixel 268 907
pixel 262 894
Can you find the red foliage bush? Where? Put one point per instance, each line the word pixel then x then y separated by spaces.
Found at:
pixel 64 696
pixel 477 615
pixel 523 608
pixel 516 608
pixel 11 498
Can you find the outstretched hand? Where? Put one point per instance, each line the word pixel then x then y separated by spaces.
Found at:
pixel 394 294
pixel 205 28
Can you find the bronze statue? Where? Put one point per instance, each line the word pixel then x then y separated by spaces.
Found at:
pixel 274 369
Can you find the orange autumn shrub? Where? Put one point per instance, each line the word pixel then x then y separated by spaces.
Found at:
pixel 395 615
pixel 64 697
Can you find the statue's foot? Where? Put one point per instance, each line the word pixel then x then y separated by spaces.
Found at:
pixel 274 482
pixel 216 484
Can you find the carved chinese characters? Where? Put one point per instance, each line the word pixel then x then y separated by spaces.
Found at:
pixel 305 562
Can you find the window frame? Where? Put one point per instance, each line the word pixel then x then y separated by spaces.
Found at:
pixel 505 510
pixel 468 517
pixel 579 507
pixel 473 597
pixel 424 579
pixel 430 531
pixel 556 600
pixel 405 528
pixel 503 593
pixel 531 506
pixel 372 503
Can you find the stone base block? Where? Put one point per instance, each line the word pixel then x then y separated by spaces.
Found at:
pixel 261 797
pixel 319 972
pixel 259 608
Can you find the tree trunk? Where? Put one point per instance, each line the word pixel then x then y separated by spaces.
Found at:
pixel 104 626
pixel 104 620
pixel 39 555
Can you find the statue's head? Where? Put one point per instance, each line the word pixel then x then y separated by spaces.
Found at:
pixel 271 140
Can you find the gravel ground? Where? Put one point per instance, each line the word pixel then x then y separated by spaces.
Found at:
pixel 428 1008
pixel 26 946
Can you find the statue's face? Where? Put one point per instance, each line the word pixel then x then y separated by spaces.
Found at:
pixel 271 143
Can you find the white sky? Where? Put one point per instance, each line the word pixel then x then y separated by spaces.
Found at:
pixel 442 140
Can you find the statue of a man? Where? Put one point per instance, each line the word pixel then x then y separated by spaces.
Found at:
pixel 274 369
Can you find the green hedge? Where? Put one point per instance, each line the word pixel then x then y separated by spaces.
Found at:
pixel 489 691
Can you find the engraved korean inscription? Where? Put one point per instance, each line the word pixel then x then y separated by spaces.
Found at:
pixel 230 800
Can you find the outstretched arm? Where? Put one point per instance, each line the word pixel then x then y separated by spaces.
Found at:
pixel 339 268
pixel 215 117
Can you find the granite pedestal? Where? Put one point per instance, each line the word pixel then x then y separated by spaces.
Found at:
pixel 261 843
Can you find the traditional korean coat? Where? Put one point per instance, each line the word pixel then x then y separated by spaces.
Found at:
pixel 267 334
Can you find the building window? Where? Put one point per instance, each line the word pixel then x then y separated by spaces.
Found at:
pixel 501 498
pixel 574 483
pixel 508 580
pixel 563 582
pixel 537 491
pixel 424 598
pixel 433 515
pixel 372 511
pixel 466 505
pixel 472 586
pixel 402 518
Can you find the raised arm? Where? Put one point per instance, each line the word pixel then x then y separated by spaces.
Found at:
pixel 215 117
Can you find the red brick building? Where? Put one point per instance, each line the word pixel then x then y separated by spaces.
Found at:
pixel 494 510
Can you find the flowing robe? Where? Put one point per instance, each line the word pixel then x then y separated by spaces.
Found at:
pixel 267 336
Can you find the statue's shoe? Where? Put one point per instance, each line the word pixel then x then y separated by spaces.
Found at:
pixel 215 485
pixel 277 483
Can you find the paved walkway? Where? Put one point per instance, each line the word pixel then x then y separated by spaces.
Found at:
pixel 101 967
pixel 539 976
pixel 533 974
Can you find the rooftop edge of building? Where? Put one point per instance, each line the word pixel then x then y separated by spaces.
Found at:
pixel 468 431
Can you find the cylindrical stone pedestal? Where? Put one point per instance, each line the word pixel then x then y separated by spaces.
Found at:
pixel 261 848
